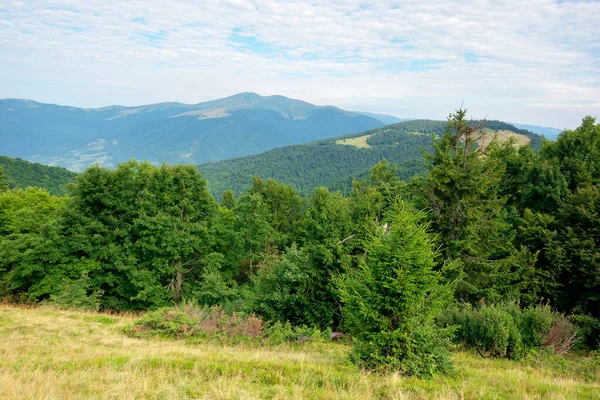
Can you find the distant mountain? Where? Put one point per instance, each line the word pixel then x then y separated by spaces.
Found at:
pixel 22 174
pixel 235 126
pixel 386 119
pixel 335 162
pixel 549 133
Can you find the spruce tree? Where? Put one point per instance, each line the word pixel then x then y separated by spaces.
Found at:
pixel 462 188
pixel 392 297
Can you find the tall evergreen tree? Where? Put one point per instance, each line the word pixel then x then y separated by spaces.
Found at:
pixel 462 189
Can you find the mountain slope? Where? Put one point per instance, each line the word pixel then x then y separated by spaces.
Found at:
pixel 549 133
pixel 386 119
pixel 235 126
pixel 334 162
pixel 21 174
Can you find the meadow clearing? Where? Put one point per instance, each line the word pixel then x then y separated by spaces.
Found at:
pixel 46 353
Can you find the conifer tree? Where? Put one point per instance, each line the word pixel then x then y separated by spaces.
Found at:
pixel 462 190
pixel 392 297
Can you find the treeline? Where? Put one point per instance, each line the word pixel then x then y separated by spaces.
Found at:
pixel 22 174
pixel 491 227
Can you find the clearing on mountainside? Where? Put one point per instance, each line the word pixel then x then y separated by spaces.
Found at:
pixel 360 142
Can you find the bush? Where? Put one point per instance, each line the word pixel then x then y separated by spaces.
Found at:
pixel 588 329
pixel 495 332
pixel 77 294
pixel 508 331
pixel 279 333
pixel 420 348
pixel 535 323
pixel 191 320
pixel 163 322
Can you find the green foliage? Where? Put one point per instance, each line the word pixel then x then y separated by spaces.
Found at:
pixel 284 289
pixel 588 329
pixel 191 320
pixel 29 241
pixel 462 189
pixel 23 174
pixel 325 163
pixel 77 294
pixel 391 299
pixel 578 154
pixel 279 333
pixel 505 330
pixel 3 183
pixel 501 226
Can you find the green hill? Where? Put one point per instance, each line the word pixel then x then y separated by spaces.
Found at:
pixel 334 162
pixel 21 174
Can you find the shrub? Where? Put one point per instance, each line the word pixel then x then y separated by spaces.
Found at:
pixel 279 333
pixel 418 348
pixel 562 336
pixel 507 331
pixel 77 294
pixel 191 320
pixel 165 322
pixel 535 323
pixel 588 329
pixel 495 332
pixel 391 300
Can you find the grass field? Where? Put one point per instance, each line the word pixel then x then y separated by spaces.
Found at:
pixel 360 142
pixel 52 354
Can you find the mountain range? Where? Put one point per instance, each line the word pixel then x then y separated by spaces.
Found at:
pixel 234 126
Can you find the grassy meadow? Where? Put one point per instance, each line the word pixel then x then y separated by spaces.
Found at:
pixel 360 142
pixel 47 353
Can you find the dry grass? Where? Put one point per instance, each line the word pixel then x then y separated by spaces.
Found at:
pixel 53 354
pixel 503 136
pixel 360 142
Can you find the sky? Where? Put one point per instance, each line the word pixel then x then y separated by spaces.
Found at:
pixel 533 61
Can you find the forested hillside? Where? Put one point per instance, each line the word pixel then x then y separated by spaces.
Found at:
pixel 335 162
pixel 21 174
pixel 495 247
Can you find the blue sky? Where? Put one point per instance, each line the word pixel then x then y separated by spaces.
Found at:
pixel 534 61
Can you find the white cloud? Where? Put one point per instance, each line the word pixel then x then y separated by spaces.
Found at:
pixel 536 61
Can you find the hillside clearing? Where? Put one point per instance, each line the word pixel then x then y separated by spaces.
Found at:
pixel 360 142
pixel 503 136
pixel 48 353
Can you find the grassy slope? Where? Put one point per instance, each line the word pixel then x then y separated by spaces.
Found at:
pixel 46 353
pixel 360 142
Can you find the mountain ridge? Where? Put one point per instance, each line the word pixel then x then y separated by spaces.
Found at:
pixel 238 125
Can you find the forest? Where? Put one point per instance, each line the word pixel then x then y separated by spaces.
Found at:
pixel 19 173
pixel 327 163
pixel 495 248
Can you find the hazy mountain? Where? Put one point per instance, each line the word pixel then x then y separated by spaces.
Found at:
pixel 334 162
pixel 235 126
pixel 549 133
pixel 386 119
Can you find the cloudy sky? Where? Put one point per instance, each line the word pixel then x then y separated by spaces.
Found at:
pixel 533 61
